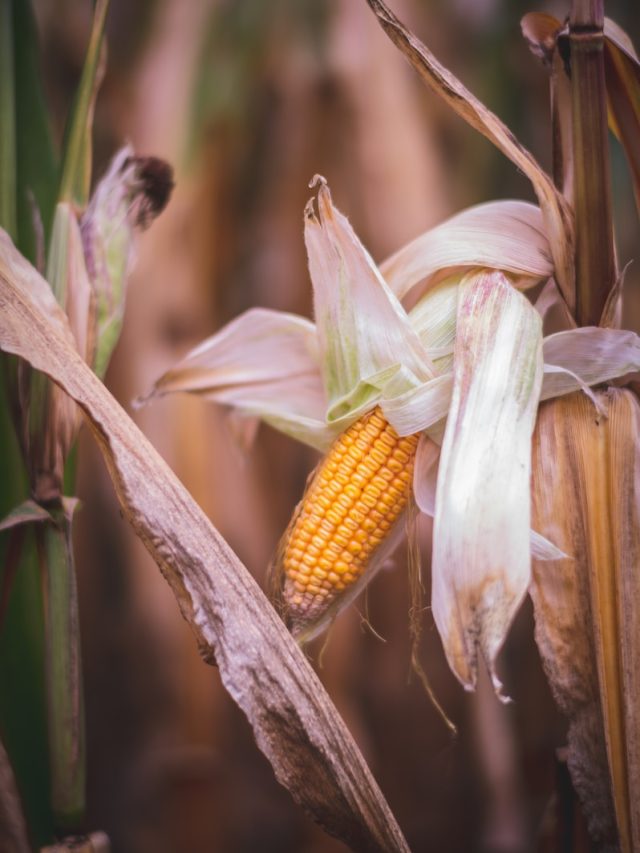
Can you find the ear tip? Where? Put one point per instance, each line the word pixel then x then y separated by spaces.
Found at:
pixel 325 206
pixel 317 180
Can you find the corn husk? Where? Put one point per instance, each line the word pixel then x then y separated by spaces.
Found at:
pixel 361 350
pixel 481 553
pixel 425 481
pixel 505 235
pixel 585 497
pixel 68 277
pixel 128 198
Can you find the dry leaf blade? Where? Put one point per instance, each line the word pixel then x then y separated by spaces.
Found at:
pixel 556 212
pixel 294 722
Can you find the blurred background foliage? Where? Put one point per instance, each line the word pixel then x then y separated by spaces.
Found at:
pixel 248 99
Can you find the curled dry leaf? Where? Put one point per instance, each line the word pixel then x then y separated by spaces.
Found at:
pixel 557 214
pixel 622 70
pixel 540 31
pixel 294 722
pixel 586 497
pixel 541 34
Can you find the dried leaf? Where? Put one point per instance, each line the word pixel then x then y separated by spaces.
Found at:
pixel 556 213
pixel 481 554
pixel 617 36
pixel 294 722
pixel 612 312
pixel 541 32
pixel 27 513
pixel 590 354
pixel 622 71
pixel 48 417
pixel 587 498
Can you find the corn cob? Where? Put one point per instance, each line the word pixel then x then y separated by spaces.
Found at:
pixel 349 508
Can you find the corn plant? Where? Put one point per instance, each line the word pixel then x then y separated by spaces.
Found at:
pixel 519 444
pixel 84 247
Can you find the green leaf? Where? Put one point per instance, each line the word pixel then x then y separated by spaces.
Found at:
pixel 64 670
pixel 22 716
pixel 37 167
pixel 75 182
pixel 7 122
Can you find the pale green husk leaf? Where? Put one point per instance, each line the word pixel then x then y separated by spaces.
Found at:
pixel 68 277
pixel 264 363
pixel 364 334
pixel 119 207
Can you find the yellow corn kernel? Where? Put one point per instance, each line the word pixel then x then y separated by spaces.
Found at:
pixel 351 504
pixel 323 502
pixel 334 516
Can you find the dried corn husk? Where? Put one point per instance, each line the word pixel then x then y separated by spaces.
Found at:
pixel 481 554
pixel 585 496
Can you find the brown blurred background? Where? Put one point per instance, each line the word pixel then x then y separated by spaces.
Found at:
pixel 248 99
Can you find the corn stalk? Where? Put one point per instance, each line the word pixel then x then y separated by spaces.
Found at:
pixel 595 260
pixel 585 490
